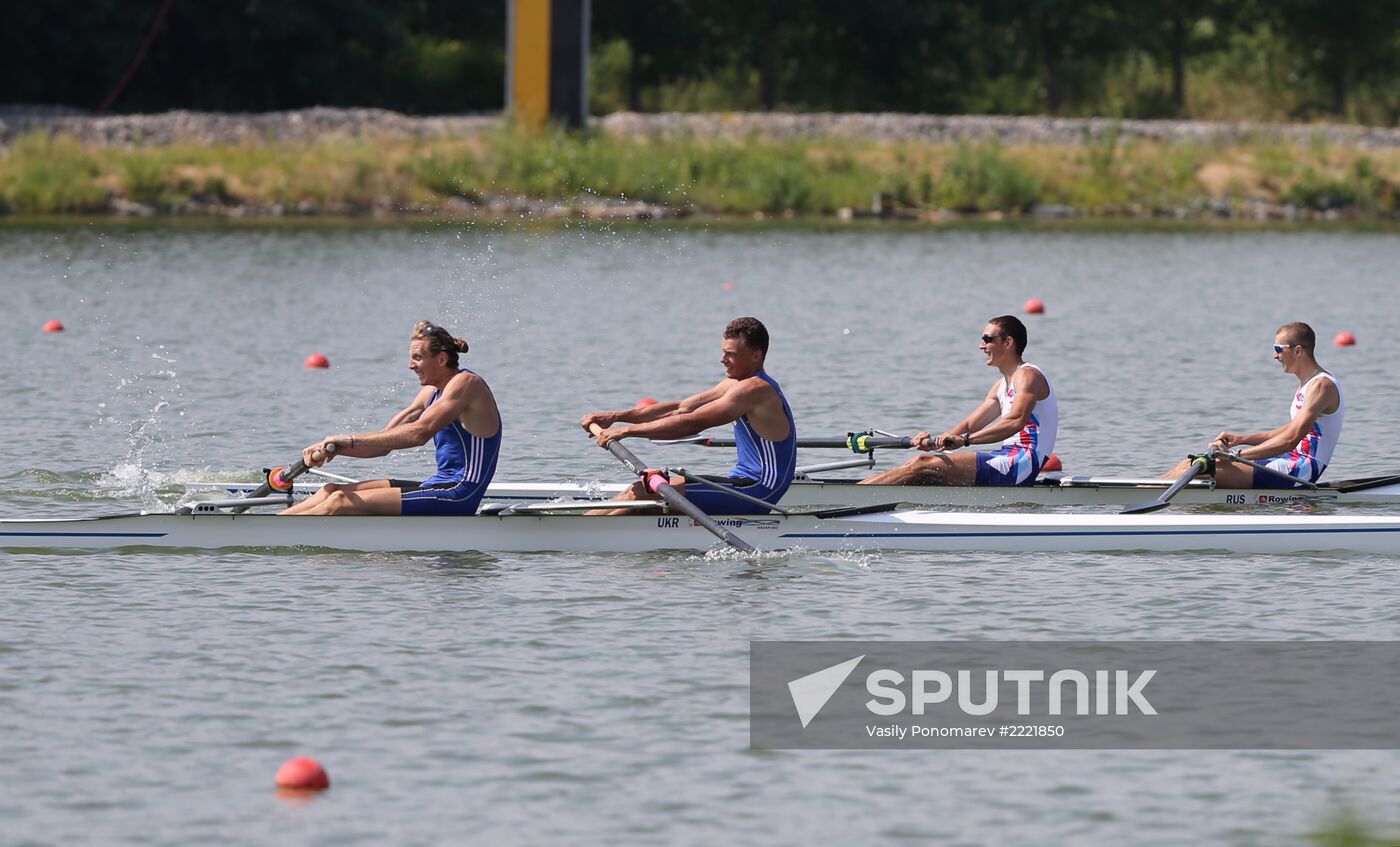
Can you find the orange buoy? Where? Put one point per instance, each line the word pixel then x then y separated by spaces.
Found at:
pixel 1052 464
pixel 316 360
pixel 728 286
pixel 302 773
pixel 53 326
pixel 1344 339
pixel 646 401
pixel 1035 306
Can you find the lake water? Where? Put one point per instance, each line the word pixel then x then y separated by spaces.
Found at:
pixel 148 699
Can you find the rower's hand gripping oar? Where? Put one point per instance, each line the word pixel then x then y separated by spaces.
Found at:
pixel 657 483
pixel 1199 465
pixel 279 479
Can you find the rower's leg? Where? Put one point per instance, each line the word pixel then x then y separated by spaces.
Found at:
pixel 637 491
pixel 1177 471
pixel 316 503
pixel 349 500
pixel 1227 474
pixel 1233 475
pixel 931 469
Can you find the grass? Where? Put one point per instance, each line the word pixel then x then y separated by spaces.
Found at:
pixel 42 175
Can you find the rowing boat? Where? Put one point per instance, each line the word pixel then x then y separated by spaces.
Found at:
pixel 1049 490
pixel 535 530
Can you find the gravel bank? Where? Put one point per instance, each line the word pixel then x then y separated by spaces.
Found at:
pixel 311 124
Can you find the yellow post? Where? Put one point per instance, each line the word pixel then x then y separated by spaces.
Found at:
pixel 547 66
pixel 529 62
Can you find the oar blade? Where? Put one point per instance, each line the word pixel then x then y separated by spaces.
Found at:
pixel 1144 508
pixel 1198 464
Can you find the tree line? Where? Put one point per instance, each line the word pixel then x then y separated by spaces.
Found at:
pixel 1232 59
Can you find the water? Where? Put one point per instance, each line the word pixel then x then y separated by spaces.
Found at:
pixel 148 699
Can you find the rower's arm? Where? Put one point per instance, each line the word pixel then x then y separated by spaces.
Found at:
pixel 984 414
pixel 1319 399
pixel 730 404
pixel 361 447
pixel 1027 382
pixel 413 410
pixel 654 411
pixel 413 430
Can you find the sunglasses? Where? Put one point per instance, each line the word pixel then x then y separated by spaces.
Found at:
pixel 1279 348
pixel 988 339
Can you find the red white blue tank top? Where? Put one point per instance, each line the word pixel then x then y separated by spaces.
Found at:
pixel 1039 432
pixel 1320 441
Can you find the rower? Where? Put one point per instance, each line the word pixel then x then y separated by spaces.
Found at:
pixel 1314 423
pixel 1020 411
pixel 454 408
pixel 749 398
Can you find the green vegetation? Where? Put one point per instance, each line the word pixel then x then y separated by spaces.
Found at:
pixel 1258 60
pixel 40 175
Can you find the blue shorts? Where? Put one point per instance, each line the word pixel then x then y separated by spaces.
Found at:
pixel 1303 468
pixel 713 501
pixel 1013 465
pixel 439 497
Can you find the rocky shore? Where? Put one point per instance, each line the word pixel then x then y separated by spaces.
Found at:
pixel 211 128
pixel 314 124
pixel 951 129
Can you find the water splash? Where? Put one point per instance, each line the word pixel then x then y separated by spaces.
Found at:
pixel 796 555
pixel 132 478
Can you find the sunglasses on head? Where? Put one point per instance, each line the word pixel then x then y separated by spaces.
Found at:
pixel 1279 348
pixel 988 339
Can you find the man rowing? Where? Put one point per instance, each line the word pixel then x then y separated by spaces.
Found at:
pixel 748 398
pixel 1020 411
pixel 1301 448
pixel 455 409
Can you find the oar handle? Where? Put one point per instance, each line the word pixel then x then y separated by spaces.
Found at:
pixel 280 479
pixel 856 442
pixel 658 484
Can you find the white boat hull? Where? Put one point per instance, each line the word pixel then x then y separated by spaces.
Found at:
pixel 1058 491
pixel 910 530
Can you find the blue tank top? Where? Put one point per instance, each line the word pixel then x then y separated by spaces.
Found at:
pixel 769 463
pixel 461 456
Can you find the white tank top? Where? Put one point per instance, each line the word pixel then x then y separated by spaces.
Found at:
pixel 1321 440
pixel 1039 432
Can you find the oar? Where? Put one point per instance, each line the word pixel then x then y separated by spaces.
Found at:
pixel 1236 457
pixel 856 442
pixel 279 479
pixel 843 512
pixel 1199 465
pixel 657 483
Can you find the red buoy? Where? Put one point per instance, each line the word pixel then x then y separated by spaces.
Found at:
pixel 316 360
pixel 1035 306
pixel 646 401
pixel 1052 464
pixel 53 326
pixel 1344 339
pixel 302 773
pixel 728 286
